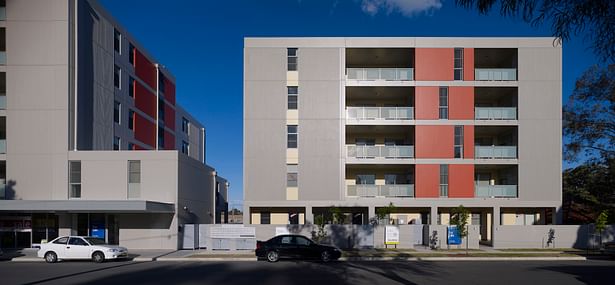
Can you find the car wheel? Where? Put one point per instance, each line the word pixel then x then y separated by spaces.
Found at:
pixel 51 257
pixel 325 256
pixel 273 256
pixel 98 257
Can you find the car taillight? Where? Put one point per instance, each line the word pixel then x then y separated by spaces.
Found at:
pixel 258 244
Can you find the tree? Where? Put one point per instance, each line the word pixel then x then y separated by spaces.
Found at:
pixel 588 189
pixel 384 212
pixel 589 115
pixel 459 218
pixel 601 224
pixel 594 18
pixel 338 216
pixel 321 234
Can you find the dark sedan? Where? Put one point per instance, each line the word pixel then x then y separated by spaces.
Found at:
pixel 295 246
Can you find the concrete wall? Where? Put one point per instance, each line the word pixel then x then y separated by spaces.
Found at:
pixel 437 236
pixel 320 125
pixel 37 37
pixel 194 137
pixel 265 124
pixel 195 191
pixel 538 236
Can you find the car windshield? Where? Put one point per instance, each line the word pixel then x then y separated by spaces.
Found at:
pixel 95 241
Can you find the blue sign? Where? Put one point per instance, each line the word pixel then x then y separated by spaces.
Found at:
pixel 97 230
pixel 453 235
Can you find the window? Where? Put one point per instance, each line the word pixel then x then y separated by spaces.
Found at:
pixel 134 178
pixel 62 240
pixel 443 103
pixel 131 87
pixel 74 179
pixel 116 143
pixel 266 219
pixel 2 46
pixel 185 126
pixel 77 241
pixel 160 137
pixel 292 136
pixel 161 110
pixel 117 41
pixel 292 59
pixel 117 76
pixel 2 90
pixel 286 240
pixel 293 92
pixel 443 180
pixel 458 68
pixel 365 179
pixel 161 83
pixel 185 147
pixel 292 175
pixel 302 241
pixel 117 108
pixel 131 54
pixel 458 149
pixel 131 119
pixel 2 10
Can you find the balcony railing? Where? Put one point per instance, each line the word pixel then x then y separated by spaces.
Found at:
pixel 495 113
pixel 496 191
pixel 2 57
pixel 380 113
pixel 2 146
pixel 380 151
pixel 390 190
pixel 495 74
pixel 2 190
pixel 495 152
pixel 2 13
pixel 391 74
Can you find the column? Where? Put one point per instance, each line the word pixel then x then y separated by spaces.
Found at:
pixel 371 213
pixel 246 215
pixel 497 217
pixel 309 216
pixel 433 216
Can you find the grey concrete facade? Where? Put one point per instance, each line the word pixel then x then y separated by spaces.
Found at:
pixel 60 109
pixel 322 125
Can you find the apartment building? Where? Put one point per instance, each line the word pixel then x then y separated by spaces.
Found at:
pixel 427 124
pixel 92 141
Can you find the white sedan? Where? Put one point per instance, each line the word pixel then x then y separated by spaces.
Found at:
pixel 77 247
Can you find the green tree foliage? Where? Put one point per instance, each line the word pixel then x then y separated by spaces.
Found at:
pixel 589 115
pixel 593 18
pixel 321 234
pixel 459 218
pixel 601 224
pixel 383 212
pixel 588 190
pixel 338 216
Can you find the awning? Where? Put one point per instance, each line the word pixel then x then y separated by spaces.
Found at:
pixel 86 206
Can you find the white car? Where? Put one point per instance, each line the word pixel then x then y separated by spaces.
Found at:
pixel 77 247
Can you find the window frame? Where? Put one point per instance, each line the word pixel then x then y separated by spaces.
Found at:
pixel 457 68
pixel 185 147
pixel 292 53
pixel 443 93
pixel 294 103
pixel 117 41
pixel 458 141
pixel 292 175
pixel 131 119
pixel 117 112
pixel 131 54
pixel 185 126
pixel 292 137
pixel 134 187
pixel 117 77
pixel 72 181
pixel 265 221
pixel 131 87
pixel 444 180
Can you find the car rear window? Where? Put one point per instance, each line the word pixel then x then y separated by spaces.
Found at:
pixel 62 240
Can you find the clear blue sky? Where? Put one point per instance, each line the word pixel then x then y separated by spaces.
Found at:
pixel 201 42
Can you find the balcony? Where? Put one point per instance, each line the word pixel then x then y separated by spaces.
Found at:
pixel 495 113
pixel 372 151
pixel 387 74
pixel 495 74
pixel 391 190
pixel 495 152
pixel 495 191
pixel 2 146
pixel 380 113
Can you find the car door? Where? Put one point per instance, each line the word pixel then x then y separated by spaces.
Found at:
pixel 305 248
pixel 77 248
pixel 286 247
pixel 58 246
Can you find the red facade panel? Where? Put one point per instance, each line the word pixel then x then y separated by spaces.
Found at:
pixel 468 64
pixel 145 69
pixel 169 117
pixel 461 181
pixel 145 100
pixel 426 102
pixel 434 64
pixel 145 130
pixel 169 91
pixel 427 181
pixel 169 141
pixel 434 141
pixel 468 142
pixel 461 103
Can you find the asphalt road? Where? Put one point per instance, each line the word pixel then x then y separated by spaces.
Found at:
pixel 312 273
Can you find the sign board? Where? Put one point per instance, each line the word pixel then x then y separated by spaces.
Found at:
pixel 453 235
pixel 281 231
pixel 232 231
pixel 391 235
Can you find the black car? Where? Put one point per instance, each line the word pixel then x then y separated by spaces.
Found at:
pixel 295 246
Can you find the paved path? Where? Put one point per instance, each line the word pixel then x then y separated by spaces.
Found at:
pixel 298 272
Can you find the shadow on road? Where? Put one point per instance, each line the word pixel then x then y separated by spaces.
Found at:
pixel 588 274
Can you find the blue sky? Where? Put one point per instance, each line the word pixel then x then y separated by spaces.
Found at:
pixel 201 42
